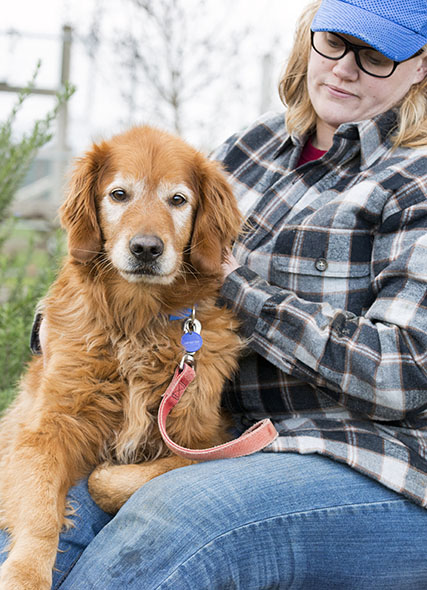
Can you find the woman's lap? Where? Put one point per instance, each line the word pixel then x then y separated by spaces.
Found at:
pixel 265 521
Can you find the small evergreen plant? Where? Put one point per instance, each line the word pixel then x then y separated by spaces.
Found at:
pixel 21 289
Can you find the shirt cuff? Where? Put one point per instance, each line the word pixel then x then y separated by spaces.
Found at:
pixel 245 293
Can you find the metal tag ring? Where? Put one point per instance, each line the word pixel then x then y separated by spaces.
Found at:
pixel 187 359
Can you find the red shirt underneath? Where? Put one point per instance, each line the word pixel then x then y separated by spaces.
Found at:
pixel 309 153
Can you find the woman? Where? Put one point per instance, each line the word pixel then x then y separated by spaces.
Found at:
pixel 330 285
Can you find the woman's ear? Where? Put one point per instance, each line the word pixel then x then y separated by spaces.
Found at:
pixel 421 71
pixel 79 213
pixel 218 220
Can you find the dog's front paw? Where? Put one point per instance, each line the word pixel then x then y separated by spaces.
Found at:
pixel 111 485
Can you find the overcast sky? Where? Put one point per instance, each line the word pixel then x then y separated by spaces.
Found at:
pixel 98 108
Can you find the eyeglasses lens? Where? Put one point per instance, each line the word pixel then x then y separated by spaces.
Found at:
pixel 369 60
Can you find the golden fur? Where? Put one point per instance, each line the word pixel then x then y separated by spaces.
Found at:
pixel 110 348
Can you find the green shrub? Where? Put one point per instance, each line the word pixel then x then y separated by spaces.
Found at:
pixel 25 276
pixel 26 272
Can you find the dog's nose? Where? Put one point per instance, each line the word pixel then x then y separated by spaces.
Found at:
pixel 146 248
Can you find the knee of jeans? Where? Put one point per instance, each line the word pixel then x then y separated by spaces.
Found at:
pixel 170 492
pixel 173 501
pixel 203 493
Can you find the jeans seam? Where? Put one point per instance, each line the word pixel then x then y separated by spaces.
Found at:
pixel 284 517
pixel 66 574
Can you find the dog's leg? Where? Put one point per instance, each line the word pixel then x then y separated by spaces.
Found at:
pixel 44 463
pixel 111 485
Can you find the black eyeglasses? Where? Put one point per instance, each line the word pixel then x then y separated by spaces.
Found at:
pixel 369 60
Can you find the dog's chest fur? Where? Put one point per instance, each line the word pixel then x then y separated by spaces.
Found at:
pixel 147 362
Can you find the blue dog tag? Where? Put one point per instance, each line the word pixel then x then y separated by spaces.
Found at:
pixel 191 341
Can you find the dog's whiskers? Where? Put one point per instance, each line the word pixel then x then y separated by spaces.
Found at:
pixel 187 269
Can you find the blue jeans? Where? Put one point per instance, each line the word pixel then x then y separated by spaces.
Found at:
pixel 268 521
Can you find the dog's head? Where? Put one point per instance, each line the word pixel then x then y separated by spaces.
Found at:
pixel 150 204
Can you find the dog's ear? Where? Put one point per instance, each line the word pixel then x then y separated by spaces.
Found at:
pixel 78 213
pixel 217 222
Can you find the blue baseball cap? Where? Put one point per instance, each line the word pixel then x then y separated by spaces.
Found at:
pixel 396 28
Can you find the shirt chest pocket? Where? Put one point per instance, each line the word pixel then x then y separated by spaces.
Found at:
pixel 332 265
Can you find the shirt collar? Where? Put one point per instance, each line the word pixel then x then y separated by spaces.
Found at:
pixel 373 134
pixel 291 141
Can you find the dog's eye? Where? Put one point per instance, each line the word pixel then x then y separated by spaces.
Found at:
pixel 119 195
pixel 177 200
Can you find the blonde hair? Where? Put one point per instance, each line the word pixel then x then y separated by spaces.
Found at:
pixel 411 128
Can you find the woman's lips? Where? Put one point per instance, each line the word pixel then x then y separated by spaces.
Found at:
pixel 339 92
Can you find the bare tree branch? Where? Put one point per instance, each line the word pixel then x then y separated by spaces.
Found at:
pixel 175 54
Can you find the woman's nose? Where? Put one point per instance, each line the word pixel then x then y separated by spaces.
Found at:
pixel 346 67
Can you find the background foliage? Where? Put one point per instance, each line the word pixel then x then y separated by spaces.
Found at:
pixel 28 258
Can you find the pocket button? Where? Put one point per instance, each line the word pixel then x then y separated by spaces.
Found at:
pixel 321 264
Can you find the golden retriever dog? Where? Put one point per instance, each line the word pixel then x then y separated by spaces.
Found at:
pixel 149 220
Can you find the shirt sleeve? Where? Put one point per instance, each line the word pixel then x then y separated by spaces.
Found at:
pixel 375 364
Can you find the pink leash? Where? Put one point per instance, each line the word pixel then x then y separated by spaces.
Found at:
pixel 254 439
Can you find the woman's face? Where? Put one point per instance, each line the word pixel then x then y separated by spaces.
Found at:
pixel 340 92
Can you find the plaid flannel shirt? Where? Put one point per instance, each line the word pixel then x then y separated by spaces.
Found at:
pixel 332 297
